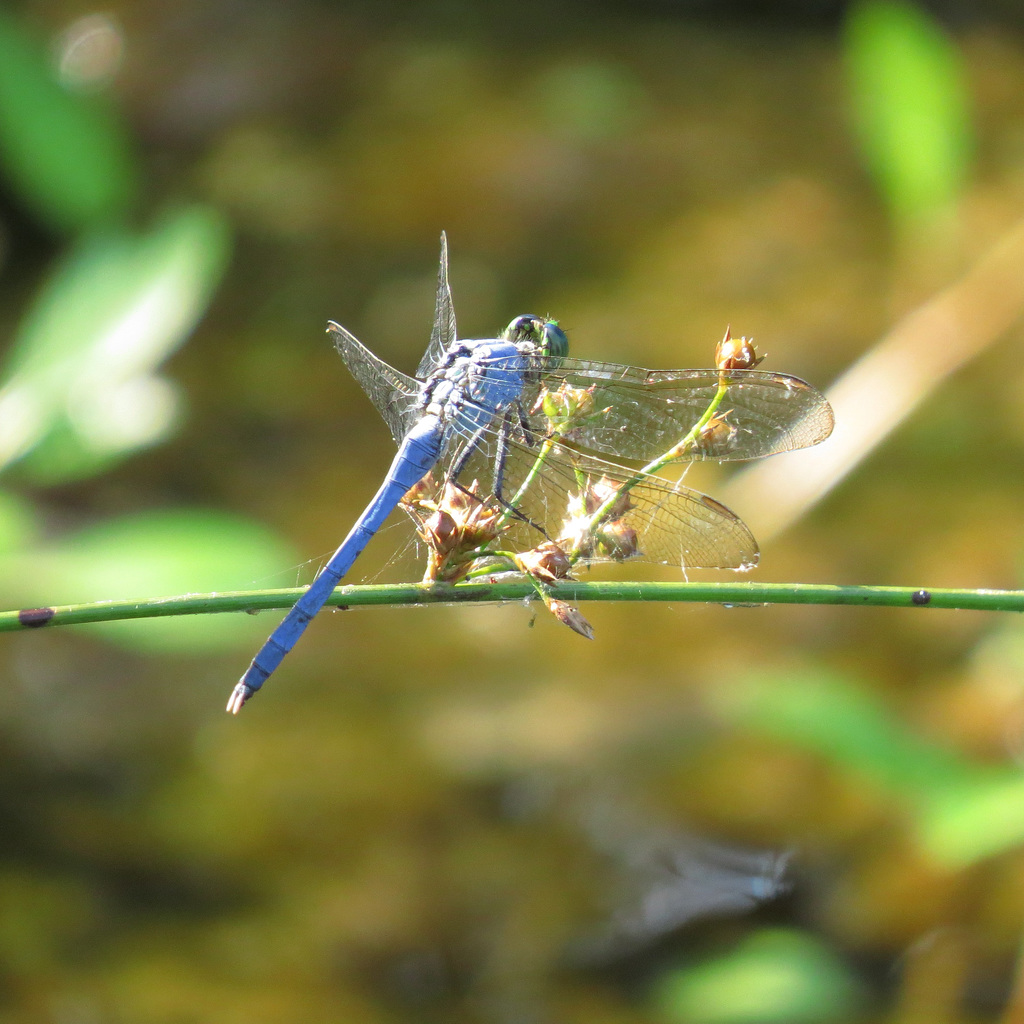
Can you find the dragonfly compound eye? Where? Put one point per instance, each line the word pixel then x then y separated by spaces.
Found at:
pixel 556 344
pixel 525 328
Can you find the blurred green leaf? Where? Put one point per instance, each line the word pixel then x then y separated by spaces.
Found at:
pixel 67 155
pixel 853 730
pixel 961 811
pixel 18 525
pixel 79 392
pixel 774 976
pixel 911 106
pixel 984 817
pixel 151 555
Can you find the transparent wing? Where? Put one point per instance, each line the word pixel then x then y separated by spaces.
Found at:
pixel 639 414
pixel 670 524
pixel 442 334
pixel 391 391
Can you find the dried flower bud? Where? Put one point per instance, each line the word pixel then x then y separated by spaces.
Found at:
pixel 716 436
pixel 476 520
pixel 547 562
pixel 578 537
pixel 608 538
pixel 459 499
pixel 617 540
pixel 605 489
pixel 569 616
pixel 441 532
pixel 454 527
pixel 736 353
pixel 420 493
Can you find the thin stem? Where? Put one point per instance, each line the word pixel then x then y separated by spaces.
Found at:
pixel 483 570
pixel 498 590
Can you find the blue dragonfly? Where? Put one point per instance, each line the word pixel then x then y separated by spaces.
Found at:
pixel 569 452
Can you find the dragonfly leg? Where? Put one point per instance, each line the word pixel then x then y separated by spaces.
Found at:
pixel 460 464
pixel 530 436
pixel 499 469
pixel 464 456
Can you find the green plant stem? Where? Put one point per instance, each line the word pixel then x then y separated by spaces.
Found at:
pixel 499 590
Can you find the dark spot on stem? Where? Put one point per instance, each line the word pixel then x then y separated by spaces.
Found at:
pixel 33 617
pixel 921 597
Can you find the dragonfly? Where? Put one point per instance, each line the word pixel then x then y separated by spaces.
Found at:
pixel 554 455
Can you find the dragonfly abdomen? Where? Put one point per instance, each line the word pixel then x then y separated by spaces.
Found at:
pixel 419 451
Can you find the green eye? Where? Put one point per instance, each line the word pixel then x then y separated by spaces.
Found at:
pixel 556 344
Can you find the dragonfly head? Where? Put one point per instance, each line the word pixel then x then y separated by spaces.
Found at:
pixel 545 335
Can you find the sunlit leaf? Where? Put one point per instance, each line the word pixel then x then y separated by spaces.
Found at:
pixel 79 392
pixel 980 819
pixel 67 155
pixel 910 102
pixel 774 976
pixel 151 555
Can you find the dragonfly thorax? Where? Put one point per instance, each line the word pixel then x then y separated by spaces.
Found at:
pixel 476 382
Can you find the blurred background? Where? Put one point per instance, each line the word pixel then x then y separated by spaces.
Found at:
pixel 703 816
